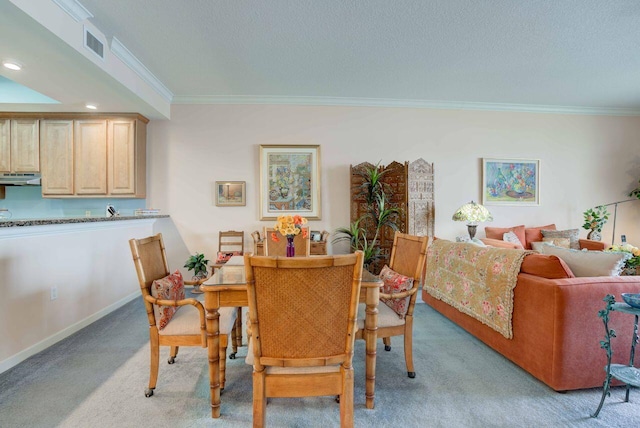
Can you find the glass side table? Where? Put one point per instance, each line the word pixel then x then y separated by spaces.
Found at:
pixel 628 374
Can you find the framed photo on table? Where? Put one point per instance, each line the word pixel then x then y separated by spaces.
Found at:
pixel 289 181
pixel 230 193
pixel 510 182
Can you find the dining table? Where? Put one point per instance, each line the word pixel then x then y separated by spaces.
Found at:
pixel 227 288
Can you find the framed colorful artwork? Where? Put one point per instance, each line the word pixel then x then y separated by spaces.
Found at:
pixel 289 181
pixel 230 193
pixel 510 182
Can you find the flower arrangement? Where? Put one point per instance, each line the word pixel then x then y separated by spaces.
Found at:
pixel 595 218
pixel 634 261
pixel 289 226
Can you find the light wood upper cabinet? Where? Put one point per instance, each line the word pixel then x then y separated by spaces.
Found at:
pixel 90 160
pixel 5 145
pixel 126 158
pixel 56 155
pixel 19 145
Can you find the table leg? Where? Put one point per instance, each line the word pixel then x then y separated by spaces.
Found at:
pixel 371 337
pixel 213 353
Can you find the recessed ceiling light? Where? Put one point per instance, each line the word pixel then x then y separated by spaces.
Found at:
pixel 12 65
pixel 91 106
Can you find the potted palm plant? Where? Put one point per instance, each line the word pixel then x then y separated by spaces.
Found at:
pixel 364 233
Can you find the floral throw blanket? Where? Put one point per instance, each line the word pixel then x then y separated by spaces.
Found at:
pixel 478 281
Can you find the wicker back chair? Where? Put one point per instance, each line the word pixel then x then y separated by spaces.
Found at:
pixel 311 356
pixel 187 326
pixel 408 257
pixel 273 248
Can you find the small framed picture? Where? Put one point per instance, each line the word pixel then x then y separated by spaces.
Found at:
pixel 316 236
pixel 230 193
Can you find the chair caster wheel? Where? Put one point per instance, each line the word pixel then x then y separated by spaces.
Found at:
pixel 411 374
pixel 337 399
pixel 232 356
pixel 171 360
pixel 387 347
pixel 148 392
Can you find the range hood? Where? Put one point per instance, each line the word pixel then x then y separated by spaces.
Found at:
pixel 20 179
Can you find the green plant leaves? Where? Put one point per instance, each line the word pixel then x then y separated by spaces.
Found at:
pixel 197 263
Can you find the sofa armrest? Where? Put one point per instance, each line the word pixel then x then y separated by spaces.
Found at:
pixel 500 244
pixel 586 244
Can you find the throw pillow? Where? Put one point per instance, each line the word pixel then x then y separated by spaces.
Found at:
pixel 171 287
pixel 589 263
pixel 395 283
pixel 545 266
pixel 511 237
pixel 572 234
pixel 558 242
pixel 223 257
pixel 498 232
pixel 534 234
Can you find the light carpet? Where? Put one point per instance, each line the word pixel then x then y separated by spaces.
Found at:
pixel 97 377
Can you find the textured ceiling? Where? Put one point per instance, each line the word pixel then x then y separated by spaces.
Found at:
pixel 530 55
pixel 546 52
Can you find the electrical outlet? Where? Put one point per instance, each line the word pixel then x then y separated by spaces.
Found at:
pixel 54 293
pixel 623 238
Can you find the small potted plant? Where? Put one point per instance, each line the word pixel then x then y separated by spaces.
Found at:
pixel 198 264
pixel 594 220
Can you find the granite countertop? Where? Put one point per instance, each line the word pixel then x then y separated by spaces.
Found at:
pixel 68 220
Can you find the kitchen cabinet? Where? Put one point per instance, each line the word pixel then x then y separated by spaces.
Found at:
pixel 19 145
pixel 56 155
pixel 90 157
pixel 126 159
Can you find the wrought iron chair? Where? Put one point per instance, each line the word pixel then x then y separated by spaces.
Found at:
pixel 186 327
pixel 311 356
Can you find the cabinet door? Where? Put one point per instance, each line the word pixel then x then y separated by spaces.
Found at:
pixel 25 145
pixel 122 157
pixel 90 159
pixel 5 146
pixel 56 148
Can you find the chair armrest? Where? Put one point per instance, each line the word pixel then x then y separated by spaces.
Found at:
pixel 198 282
pixel 398 296
pixel 593 245
pixel 498 243
pixel 184 302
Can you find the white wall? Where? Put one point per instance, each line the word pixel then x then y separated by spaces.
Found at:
pixel 89 263
pixel 584 161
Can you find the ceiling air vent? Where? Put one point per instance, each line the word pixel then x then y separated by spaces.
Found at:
pixel 93 43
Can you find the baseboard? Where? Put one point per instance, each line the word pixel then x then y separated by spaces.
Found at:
pixel 44 344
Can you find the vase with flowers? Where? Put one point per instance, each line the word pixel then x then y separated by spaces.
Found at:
pixel 632 263
pixel 594 220
pixel 289 226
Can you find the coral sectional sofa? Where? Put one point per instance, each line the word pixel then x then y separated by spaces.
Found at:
pixel 556 328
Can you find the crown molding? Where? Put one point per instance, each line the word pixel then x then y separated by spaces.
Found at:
pixel 388 102
pixel 76 10
pixel 121 51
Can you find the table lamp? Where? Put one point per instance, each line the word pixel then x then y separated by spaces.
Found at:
pixel 473 214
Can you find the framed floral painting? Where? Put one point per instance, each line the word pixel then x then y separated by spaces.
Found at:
pixel 510 182
pixel 230 193
pixel 289 181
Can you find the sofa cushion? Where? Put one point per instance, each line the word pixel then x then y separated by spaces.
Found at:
pixel 171 287
pixel 572 234
pixel 511 237
pixel 534 234
pixel 546 266
pixel 393 283
pixel 558 242
pixel 498 232
pixel 589 263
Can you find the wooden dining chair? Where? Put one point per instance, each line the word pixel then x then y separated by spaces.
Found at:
pixel 312 355
pixel 273 248
pixel 171 324
pixel 395 312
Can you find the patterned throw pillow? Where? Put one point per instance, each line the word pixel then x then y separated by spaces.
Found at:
pixel 513 238
pixel 396 283
pixel 572 234
pixel 224 257
pixel 589 263
pixel 558 242
pixel 171 287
